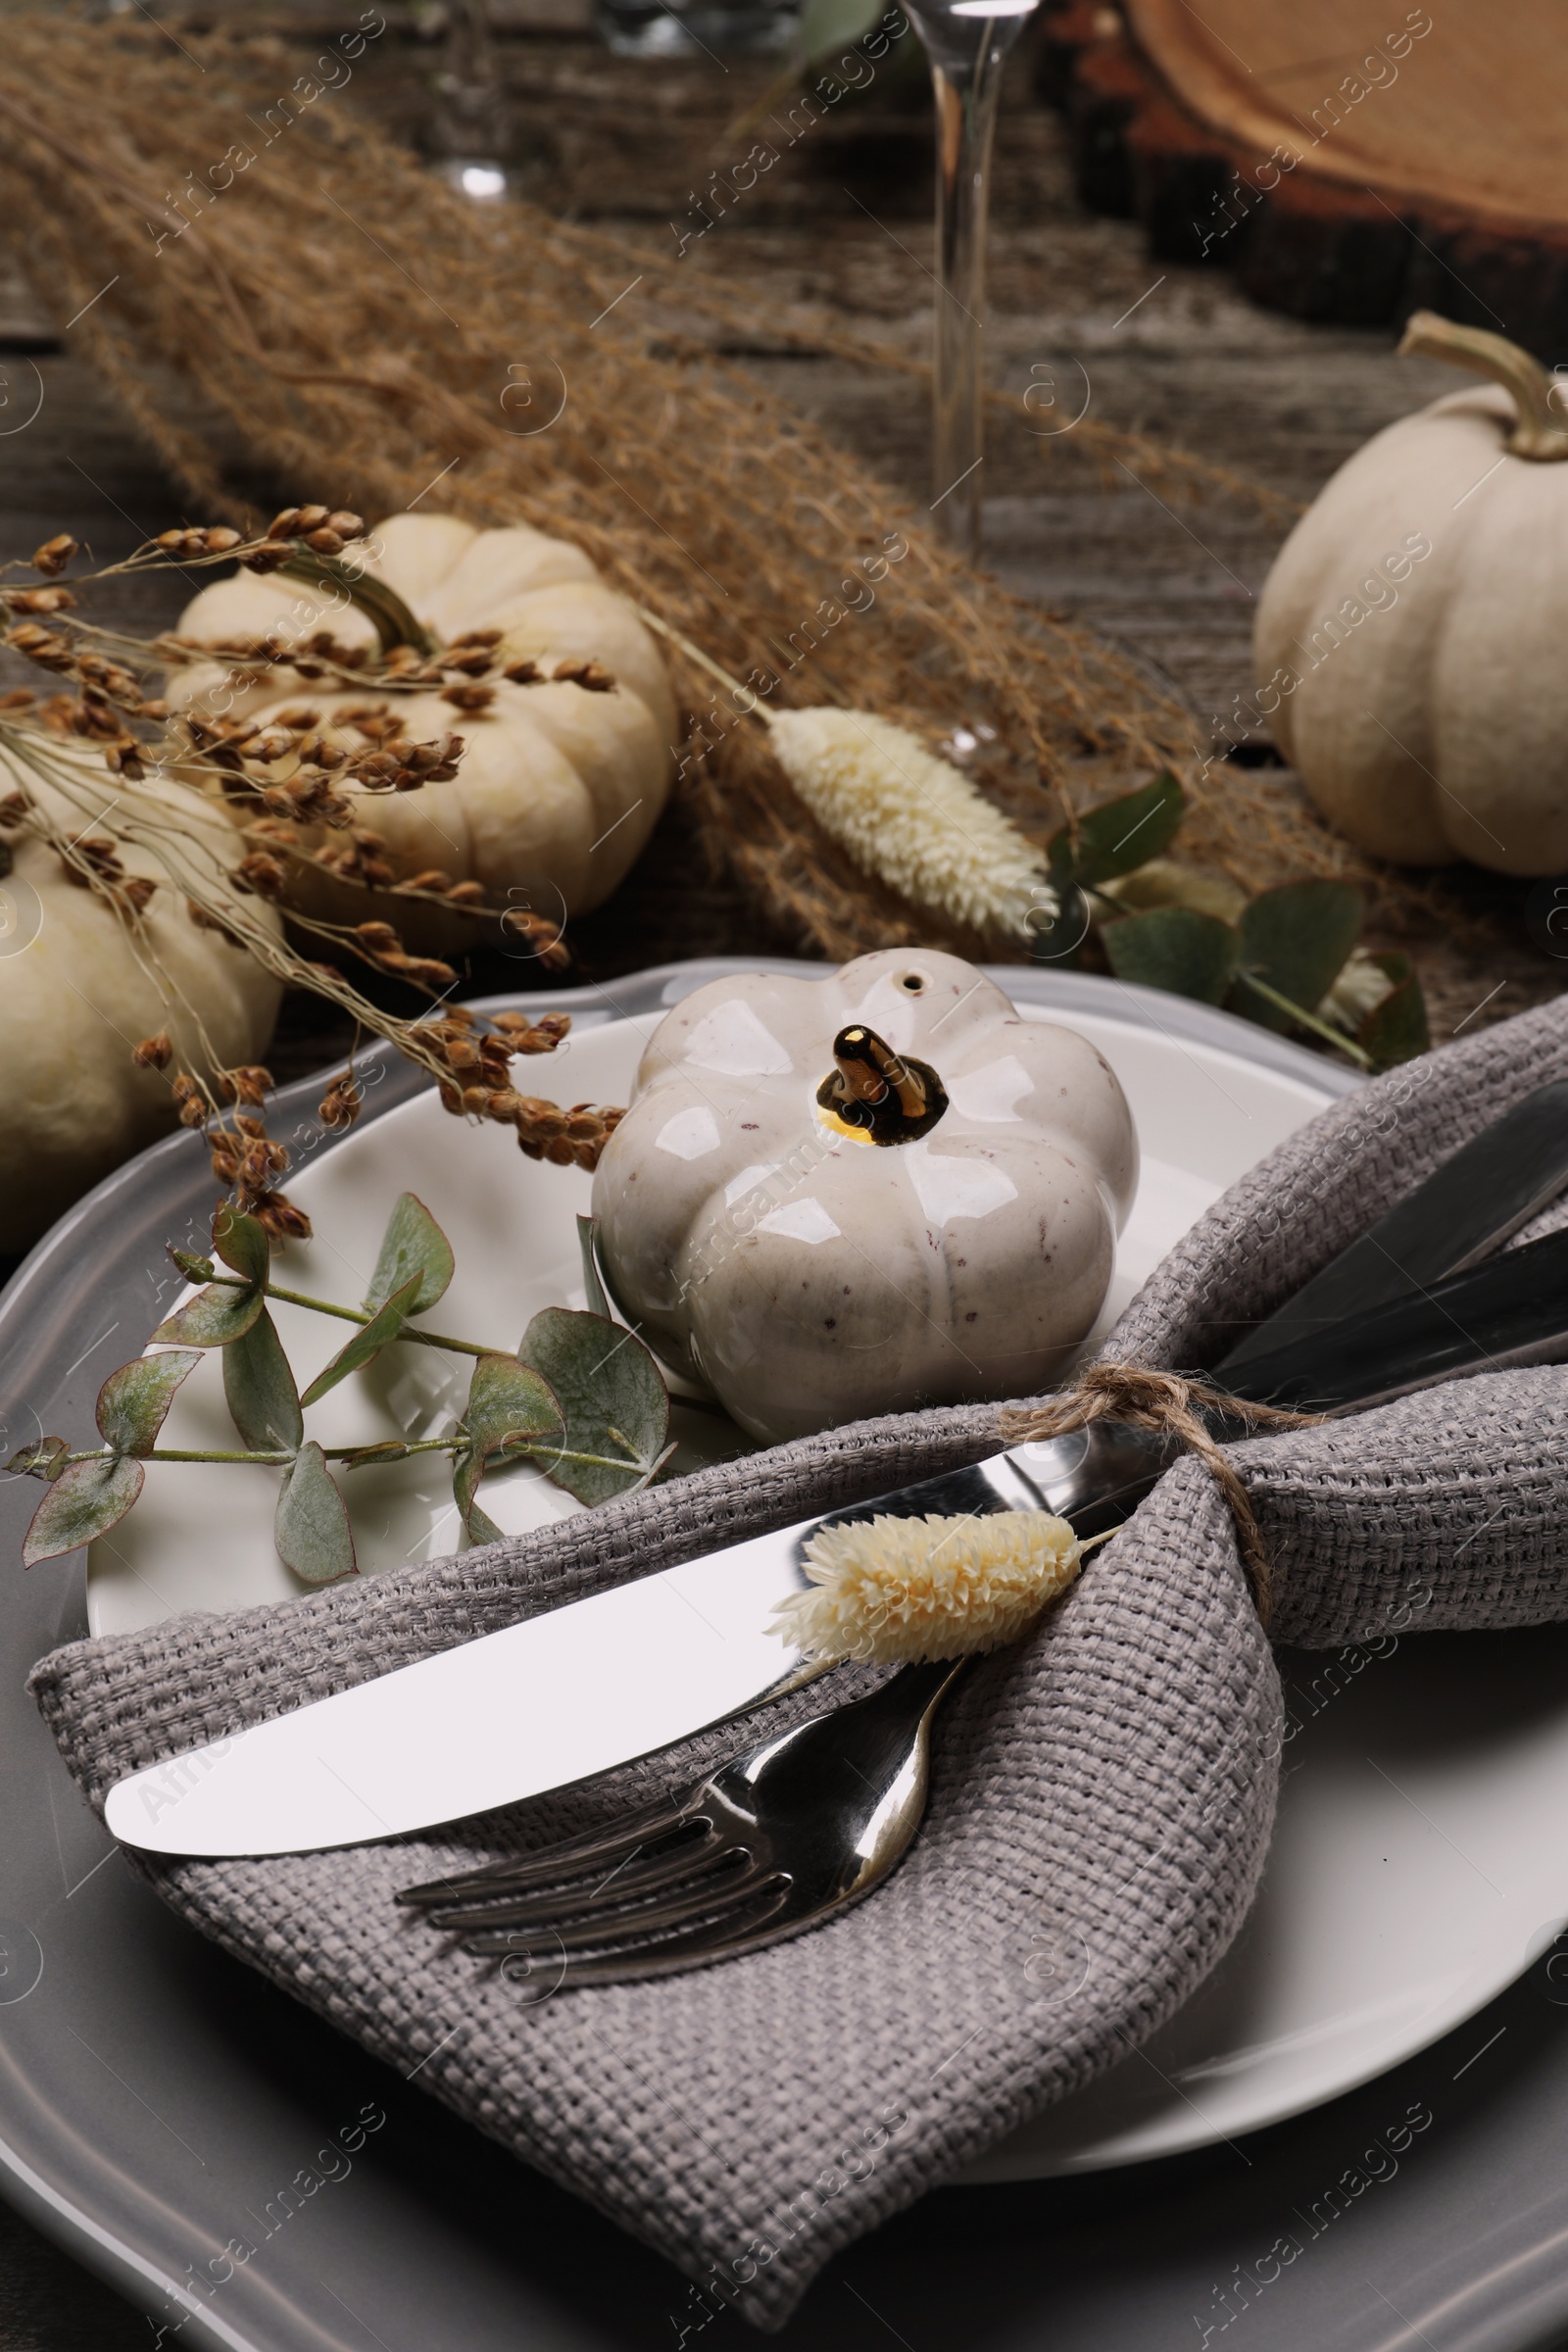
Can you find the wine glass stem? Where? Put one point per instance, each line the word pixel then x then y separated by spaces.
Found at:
pixel 473 103
pixel 966 122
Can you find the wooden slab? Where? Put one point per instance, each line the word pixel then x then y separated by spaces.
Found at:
pixel 1352 164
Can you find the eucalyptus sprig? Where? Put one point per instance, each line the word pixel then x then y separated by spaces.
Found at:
pixel 1286 959
pixel 580 1396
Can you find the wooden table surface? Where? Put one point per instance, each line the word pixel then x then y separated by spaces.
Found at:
pixel 844 223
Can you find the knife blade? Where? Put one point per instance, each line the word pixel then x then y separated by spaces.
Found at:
pixel 602 1681
pixel 1466 1210
pixel 1508 1310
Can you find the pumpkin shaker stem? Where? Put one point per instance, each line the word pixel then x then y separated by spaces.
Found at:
pixel 1541 429
pixel 879 1095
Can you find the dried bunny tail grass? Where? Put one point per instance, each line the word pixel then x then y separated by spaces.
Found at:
pixel 897 1591
pixel 911 818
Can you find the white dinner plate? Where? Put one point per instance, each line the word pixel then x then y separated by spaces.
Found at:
pixel 1417 1864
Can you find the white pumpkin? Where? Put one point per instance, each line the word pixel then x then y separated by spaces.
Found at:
pixel 768 1246
pixel 76 998
pixel 1408 646
pixel 559 787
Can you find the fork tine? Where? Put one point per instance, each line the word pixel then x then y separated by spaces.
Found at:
pixel 548 1865
pixel 711 1908
pixel 628 1882
pixel 769 1844
pixel 670 1956
pixel 686 1898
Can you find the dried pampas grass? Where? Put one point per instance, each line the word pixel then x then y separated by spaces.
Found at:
pixel 316 309
pixel 894 1590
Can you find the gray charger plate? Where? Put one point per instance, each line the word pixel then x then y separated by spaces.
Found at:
pixel 159 2104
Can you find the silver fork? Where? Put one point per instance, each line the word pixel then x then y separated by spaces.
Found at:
pixel 770 1843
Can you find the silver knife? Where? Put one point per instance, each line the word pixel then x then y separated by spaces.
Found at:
pixel 1464 1210
pixel 602 1681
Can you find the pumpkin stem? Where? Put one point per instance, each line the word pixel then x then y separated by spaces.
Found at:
pixel 1542 430
pixel 875 1095
pixel 395 624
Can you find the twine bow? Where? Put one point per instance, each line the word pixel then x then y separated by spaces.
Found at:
pixel 1169 1403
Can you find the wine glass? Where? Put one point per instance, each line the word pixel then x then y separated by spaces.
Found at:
pixel 966 43
pixel 472 133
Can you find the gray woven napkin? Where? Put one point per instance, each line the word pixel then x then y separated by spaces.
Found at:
pixel 1102 1795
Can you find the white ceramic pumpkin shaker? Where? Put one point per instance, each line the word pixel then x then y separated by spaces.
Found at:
pixel 835 1198
pixel 1408 641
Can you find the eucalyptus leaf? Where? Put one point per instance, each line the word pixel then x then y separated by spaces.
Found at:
pixel 509 1403
pixel 1174 948
pixel 1396 1030
pixel 214 1318
pixel 45 1459
pixel 369 1340
pixel 510 1408
pixel 86 1501
pixel 830 29
pixel 613 1397
pixel 194 1269
pixel 466 1471
pixel 241 1242
pixel 132 1402
pixel 312 1529
pixel 592 1279
pixel 263 1400
pixel 828 25
pixel 1297 939
pixel 412 1244
pixel 1119 835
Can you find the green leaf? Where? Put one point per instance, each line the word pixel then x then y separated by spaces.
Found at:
pixel 828 25
pixel 85 1501
pixel 1297 938
pixel 241 1242
pixel 194 1269
pixel 412 1244
pixel 466 1471
pixel 312 1529
pixel 467 1468
pixel 263 1400
pixel 1396 1030
pixel 212 1318
pixel 1174 948
pixel 609 1389
pixel 44 1460
pixel 510 1404
pixel 369 1340
pixel 510 1407
pixel 220 1315
pixel 592 1279
pixel 826 29
pixel 1119 835
pixel 132 1402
